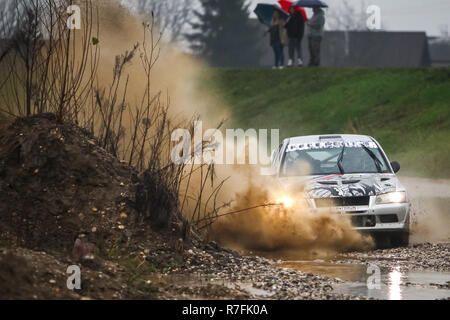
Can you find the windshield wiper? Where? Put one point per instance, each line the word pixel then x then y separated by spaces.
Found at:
pixel 374 158
pixel 339 161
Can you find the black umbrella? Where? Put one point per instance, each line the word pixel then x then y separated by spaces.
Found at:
pixel 310 4
pixel 264 12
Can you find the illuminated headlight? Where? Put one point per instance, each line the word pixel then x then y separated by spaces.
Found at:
pixel 286 202
pixel 391 197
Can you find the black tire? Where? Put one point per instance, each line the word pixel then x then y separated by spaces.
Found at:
pixel 385 240
pixel 382 240
pixel 400 239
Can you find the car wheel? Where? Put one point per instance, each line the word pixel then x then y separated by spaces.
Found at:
pixel 400 239
pixel 382 240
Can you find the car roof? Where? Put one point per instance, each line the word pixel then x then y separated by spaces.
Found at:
pixel 325 137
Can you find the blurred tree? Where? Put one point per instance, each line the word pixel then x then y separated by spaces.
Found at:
pixel 11 16
pixel 347 17
pixel 224 35
pixel 171 16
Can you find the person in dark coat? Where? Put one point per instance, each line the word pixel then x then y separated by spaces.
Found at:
pixel 295 27
pixel 278 39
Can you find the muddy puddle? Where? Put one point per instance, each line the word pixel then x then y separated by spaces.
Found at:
pixel 345 272
pixel 393 284
pixel 207 287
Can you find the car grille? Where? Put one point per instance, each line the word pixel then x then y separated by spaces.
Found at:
pixel 342 201
pixel 388 218
pixel 363 221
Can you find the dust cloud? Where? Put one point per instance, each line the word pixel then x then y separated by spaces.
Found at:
pixel 281 226
pixel 176 76
pixel 430 200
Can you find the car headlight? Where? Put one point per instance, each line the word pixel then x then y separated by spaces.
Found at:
pixel 287 202
pixel 391 197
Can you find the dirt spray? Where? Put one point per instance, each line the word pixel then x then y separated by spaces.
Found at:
pixel 266 228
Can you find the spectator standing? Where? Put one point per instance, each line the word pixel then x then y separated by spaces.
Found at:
pixel 295 27
pixel 315 27
pixel 278 39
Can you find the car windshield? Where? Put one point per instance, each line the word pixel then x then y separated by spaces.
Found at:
pixel 323 161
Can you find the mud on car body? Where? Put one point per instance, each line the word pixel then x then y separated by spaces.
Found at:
pixel 349 174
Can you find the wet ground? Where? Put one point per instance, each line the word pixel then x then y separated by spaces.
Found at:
pixel 156 270
pixel 359 280
pixel 420 271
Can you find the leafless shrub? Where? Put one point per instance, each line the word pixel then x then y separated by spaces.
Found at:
pixel 172 16
pixel 166 189
pixel 51 68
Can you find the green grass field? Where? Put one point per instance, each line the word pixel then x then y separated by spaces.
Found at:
pixel 406 110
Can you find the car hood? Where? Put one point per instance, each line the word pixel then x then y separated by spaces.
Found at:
pixel 347 185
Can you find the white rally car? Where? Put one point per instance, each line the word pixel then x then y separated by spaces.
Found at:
pixel 349 174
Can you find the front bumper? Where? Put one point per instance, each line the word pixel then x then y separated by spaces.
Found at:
pixel 373 217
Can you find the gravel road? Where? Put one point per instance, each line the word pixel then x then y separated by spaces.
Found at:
pixel 420 271
pixel 226 274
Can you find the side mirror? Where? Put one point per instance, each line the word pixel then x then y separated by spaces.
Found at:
pixel 395 166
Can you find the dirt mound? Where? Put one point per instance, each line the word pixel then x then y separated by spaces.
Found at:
pixel 13 270
pixel 29 274
pixel 58 185
pixel 65 201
